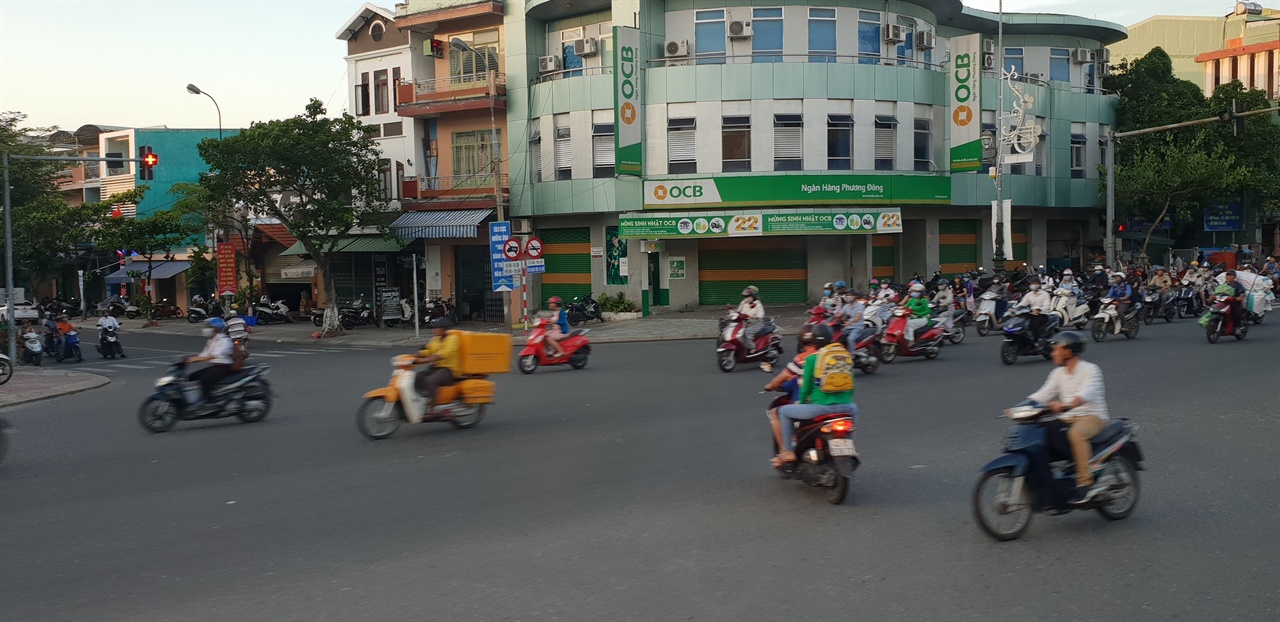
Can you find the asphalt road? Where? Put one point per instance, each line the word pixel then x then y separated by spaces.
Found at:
pixel 637 488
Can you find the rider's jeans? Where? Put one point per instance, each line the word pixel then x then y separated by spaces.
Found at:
pixel 912 325
pixel 805 412
pixel 1082 429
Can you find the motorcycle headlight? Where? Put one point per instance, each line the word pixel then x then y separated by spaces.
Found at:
pixel 163 380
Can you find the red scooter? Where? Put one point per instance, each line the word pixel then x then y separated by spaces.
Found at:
pixel 575 345
pixel 766 346
pixel 820 315
pixel 1221 323
pixel 894 341
pixel 866 353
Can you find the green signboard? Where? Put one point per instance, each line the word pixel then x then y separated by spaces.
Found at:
pixel 745 223
pixel 785 190
pixel 627 102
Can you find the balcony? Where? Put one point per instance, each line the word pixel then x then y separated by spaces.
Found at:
pixel 458 190
pixel 424 15
pixel 431 98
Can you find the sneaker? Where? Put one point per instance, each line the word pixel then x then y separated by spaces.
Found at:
pixel 1085 494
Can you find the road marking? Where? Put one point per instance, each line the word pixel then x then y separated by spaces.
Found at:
pixel 268 355
pixel 284 352
pixel 126 366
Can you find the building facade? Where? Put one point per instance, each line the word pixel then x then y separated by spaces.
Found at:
pixel 789 145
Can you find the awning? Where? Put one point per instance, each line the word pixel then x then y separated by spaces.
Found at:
pixel 459 223
pixel 304 270
pixel 159 270
pixel 278 232
pixel 362 244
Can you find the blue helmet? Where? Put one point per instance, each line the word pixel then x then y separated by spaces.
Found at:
pixel 840 284
pixel 217 323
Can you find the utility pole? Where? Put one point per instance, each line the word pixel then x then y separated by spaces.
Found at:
pixel 998 258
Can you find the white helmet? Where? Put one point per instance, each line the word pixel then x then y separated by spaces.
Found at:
pixel 917 287
pixel 1067 272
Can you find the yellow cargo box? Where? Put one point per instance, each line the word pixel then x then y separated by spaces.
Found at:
pixel 484 353
pixel 476 391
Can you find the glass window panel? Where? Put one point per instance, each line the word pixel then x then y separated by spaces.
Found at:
pixel 869 41
pixel 822 38
pixel 767 37
pixel 709 41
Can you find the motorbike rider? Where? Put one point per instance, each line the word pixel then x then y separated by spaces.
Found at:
pixel 218 351
pixel 754 310
pixel 1068 282
pixel 444 353
pixel 1099 277
pixel 1039 302
pixel 1074 390
pixel 1121 293
pixel 962 292
pixel 109 321
pixel 920 313
pixel 787 380
pixel 942 301
pixel 813 401
pixel 1237 299
pixel 1163 282
pixel 830 300
pixel 557 327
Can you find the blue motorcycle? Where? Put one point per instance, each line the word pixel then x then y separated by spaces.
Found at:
pixel 1037 473
pixel 70 348
pixel 244 394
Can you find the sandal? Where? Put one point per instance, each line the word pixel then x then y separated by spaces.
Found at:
pixel 782 460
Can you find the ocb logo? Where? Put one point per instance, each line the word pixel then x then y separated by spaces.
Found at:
pixel 628 113
pixel 660 192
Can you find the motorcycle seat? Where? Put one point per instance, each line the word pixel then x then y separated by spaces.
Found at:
pixel 765 330
pixel 577 332
pixel 1113 430
pixel 802 423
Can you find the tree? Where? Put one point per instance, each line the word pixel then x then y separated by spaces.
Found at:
pixel 328 164
pixel 1257 150
pixel 157 234
pixel 220 218
pixel 29 180
pixel 50 235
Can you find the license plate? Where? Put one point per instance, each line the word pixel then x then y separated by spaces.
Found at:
pixel 840 446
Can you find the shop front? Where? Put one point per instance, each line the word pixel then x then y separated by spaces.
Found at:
pixel 452 258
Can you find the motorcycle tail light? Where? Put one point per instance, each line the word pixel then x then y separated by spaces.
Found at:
pixel 839 425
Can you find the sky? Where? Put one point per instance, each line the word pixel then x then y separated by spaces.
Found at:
pixel 66 63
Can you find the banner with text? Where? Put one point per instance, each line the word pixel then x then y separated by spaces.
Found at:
pixel 776 190
pixel 228 280
pixel 627 103
pixel 759 222
pixel 966 103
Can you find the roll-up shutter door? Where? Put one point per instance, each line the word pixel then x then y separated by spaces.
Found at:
pixel 957 246
pixel 603 147
pixel 884 256
pixel 275 263
pixel 564 150
pixel 568 258
pixel 681 146
pixel 788 143
pixel 776 265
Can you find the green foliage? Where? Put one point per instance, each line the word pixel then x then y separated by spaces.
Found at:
pixel 152 237
pixel 29 180
pixel 617 304
pixel 202 268
pixel 197 202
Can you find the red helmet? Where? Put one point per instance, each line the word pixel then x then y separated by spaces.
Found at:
pixel 555 299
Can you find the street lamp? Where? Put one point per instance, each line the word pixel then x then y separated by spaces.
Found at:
pixel 999 259
pixel 494 156
pixel 195 90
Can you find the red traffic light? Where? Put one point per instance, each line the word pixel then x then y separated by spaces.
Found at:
pixel 437 48
pixel 1121 228
pixel 150 159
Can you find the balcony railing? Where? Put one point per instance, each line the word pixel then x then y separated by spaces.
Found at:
pixel 451 90
pixel 818 58
pixel 411 7
pixel 454 187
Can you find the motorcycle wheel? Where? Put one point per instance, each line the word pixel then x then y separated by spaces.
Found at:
pixel 957 337
pixel 157 415
pixel 1131 330
pixel 578 360
pixel 1257 319
pixel 463 423
pixel 528 363
pixel 133 315
pixel 888 353
pixel 257 404
pixel 1244 330
pixel 989 515
pixel 370 423
pixel 1121 504
pixel 872 367
pixel 192 318
pixel 1211 331
pixel 574 319
pixel 79 357
pixel 932 353
pixel 177 312
pixel 318 320
pixel 1008 353
pixel 984 327
pixel 1099 331
pixel 6 371
pixel 1168 315
pixel 1148 315
pixel 387 323
pixel 1182 310
pixel 727 361
pixel 838 490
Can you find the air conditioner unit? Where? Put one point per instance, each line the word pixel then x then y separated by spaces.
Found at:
pixel 1104 69
pixel 1103 55
pixel 676 49
pixel 1082 56
pixel 1036 76
pixel 586 47
pixel 548 64
pixel 926 39
pixel 522 226
pixel 740 29
pixel 988 46
pixel 988 62
pixel 894 33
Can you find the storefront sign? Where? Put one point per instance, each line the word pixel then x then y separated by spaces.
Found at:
pixel 615 271
pixel 675 268
pixel 627 104
pixel 966 103
pixel 499 233
pixel 226 257
pixel 797 190
pixel 1223 217
pixel 389 301
pixel 597 252
pixel 760 222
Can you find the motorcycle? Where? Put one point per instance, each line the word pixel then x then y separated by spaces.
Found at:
pixel 986 319
pixel 6 369
pixel 956 333
pixel 825 452
pixel 765 346
pixel 1156 305
pixel 894 341
pixel 584 309
pixel 199 311
pixel 575 345
pixel 165 309
pixel 1037 473
pixel 1019 339
pixel 358 313
pixel 268 311
pixel 1187 301
pixel 1071 310
pixel 4 438
pixel 462 404
pixel 245 395
pixel 70 348
pixel 441 307
pixel 1220 323
pixel 820 315
pixel 1108 320
pixel 108 343
pixel 33 348
pixel 866 351
pixel 114 305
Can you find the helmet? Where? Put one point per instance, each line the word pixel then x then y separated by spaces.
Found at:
pixel 841 284
pixel 1067 272
pixel 1230 273
pixel 1195 263
pixel 1034 279
pixel 806 333
pixel 827 285
pixel 441 322
pixel 822 334
pixel 216 323
pixel 1117 276
pixel 1071 340
pixel 752 291
pixel 916 287
pixel 555 299
pixel 1159 268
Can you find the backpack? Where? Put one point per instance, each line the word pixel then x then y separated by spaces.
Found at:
pixel 834 370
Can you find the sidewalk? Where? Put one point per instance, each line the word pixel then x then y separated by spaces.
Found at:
pixel 699 323
pixel 29 384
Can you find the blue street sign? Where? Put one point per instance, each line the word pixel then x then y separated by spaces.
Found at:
pixel 1223 217
pixel 500 232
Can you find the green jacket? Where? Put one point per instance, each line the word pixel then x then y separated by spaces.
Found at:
pixel 919 306
pixel 810 393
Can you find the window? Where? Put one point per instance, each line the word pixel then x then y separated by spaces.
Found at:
pixel 736 142
pixel 1060 65
pixel 1102 144
pixel 822 35
pixel 1040 153
pixel 923 146
pixel 868 37
pixel 1089 83
pixel 564 154
pixel 606 54
pixel 1013 60
pixel 380 96
pixel 395 83
pixel 886 141
pixel 535 155
pixel 386 182
pixel 709 37
pixel 362 96
pixel 1017 169
pixel 602 150
pixel 376 31
pixel 571 60
pixel 839 142
pixel 766 38
pixel 682 156
pixel 473 159
pixel 788 142
pixel 1078 142
pixel 393 129
pixel 907 49
pixel 468 66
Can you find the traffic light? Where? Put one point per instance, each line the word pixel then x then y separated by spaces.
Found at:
pixel 1233 115
pixel 149 159
pixel 1122 227
pixel 437 48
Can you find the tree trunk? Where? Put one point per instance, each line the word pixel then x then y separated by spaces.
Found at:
pixel 1154 225
pixel 331 326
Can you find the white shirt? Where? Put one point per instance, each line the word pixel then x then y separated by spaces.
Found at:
pixel 108 322
pixel 1065 387
pixel 219 347
pixel 751 308
pixel 1038 300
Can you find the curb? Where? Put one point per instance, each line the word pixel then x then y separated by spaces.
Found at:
pixel 92 382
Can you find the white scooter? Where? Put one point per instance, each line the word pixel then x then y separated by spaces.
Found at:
pixel 1072 310
pixel 34 346
pixel 1108 321
pixel 985 318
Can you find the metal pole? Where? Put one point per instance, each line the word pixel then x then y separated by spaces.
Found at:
pixel 84 305
pixel 1111 200
pixel 219 109
pixel 998 258
pixel 8 267
pixel 417 330
pixel 495 157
